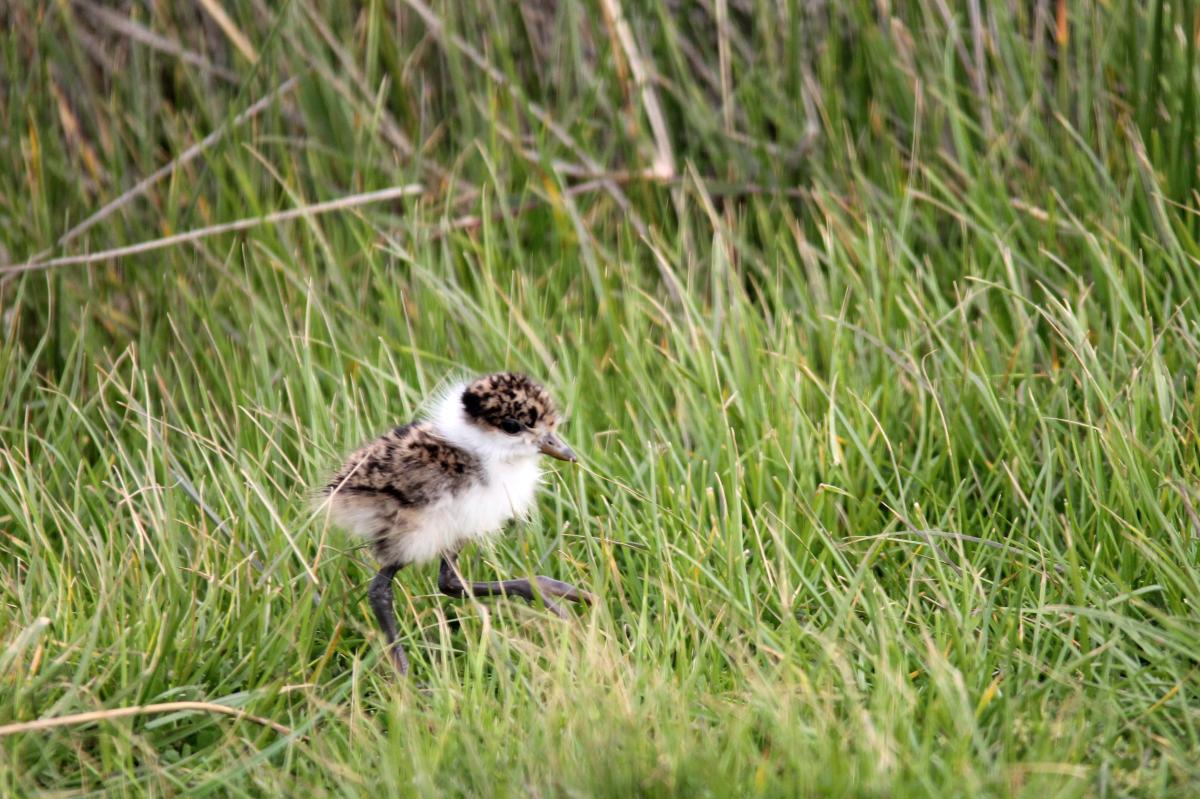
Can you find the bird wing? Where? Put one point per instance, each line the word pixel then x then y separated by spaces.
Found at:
pixel 410 465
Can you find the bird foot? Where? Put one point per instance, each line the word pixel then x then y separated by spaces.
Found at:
pixel 556 588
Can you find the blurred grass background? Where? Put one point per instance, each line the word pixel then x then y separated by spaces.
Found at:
pixel 875 321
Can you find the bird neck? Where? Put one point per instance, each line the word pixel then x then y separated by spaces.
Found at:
pixel 450 422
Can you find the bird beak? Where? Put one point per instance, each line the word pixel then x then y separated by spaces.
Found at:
pixel 553 446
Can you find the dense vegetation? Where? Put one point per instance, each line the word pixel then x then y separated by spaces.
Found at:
pixel 877 326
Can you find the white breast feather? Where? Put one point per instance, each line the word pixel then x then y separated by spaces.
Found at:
pixel 477 512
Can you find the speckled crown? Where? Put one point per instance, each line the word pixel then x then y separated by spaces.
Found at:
pixel 492 399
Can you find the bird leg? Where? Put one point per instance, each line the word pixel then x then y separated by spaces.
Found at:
pixel 380 596
pixel 451 584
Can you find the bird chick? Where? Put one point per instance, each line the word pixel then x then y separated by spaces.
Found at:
pixel 426 489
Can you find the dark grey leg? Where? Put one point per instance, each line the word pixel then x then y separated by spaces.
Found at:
pixel 380 595
pixel 451 584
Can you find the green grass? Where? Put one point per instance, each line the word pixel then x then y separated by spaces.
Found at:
pixel 887 399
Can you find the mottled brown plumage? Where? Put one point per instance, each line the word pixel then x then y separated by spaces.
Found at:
pixel 386 484
pixel 495 399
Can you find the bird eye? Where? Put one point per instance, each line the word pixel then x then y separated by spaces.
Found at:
pixel 511 426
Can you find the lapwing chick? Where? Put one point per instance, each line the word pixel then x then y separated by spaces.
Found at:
pixel 426 489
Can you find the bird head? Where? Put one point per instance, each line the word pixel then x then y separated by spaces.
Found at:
pixel 514 416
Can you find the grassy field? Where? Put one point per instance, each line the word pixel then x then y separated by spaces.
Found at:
pixel 877 327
